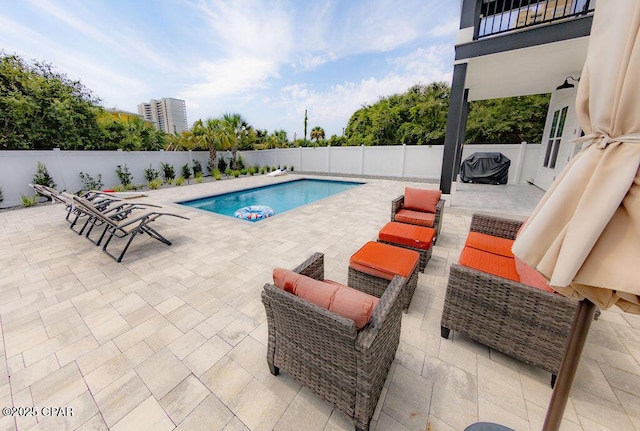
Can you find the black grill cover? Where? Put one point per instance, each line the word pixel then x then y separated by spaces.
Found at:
pixel 485 168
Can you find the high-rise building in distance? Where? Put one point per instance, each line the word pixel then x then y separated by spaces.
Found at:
pixel 166 114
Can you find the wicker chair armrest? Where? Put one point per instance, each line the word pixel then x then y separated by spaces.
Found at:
pixel 388 305
pixel 396 205
pixel 312 267
pixel 495 226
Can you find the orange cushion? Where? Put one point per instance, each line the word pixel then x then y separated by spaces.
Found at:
pixel 407 234
pixel 531 277
pixel 384 260
pixel 285 279
pixel 335 297
pixel 490 243
pixel 421 199
pixel 415 217
pixel 484 261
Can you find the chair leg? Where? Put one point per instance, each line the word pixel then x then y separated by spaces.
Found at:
pixel 444 332
pixel 274 370
pixel 554 377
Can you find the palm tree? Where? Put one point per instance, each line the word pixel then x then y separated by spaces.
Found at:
pixel 238 132
pixel 317 133
pixel 212 135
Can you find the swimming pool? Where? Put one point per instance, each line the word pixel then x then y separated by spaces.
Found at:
pixel 281 197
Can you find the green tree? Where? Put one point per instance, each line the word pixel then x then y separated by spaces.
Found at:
pixel 212 135
pixel 239 133
pixel 44 109
pixel 419 117
pixel 317 133
pixel 508 120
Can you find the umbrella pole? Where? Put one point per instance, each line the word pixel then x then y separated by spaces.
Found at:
pixel 569 366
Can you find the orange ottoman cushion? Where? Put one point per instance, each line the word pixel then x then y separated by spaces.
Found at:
pixel 415 217
pixel 484 261
pixel 490 243
pixel 384 260
pixel 407 234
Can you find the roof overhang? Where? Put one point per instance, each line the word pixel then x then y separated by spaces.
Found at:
pixel 533 70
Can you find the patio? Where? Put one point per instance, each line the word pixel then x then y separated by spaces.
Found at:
pixel 175 337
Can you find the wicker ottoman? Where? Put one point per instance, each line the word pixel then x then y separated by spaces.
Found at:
pixel 374 265
pixel 413 237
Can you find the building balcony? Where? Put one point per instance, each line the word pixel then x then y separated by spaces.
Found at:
pixel 504 16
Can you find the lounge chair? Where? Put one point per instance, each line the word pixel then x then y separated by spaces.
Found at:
pixel 324 350
pixel 127 222
pixel 421 207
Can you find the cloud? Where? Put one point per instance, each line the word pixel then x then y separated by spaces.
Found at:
pixel 449 28
pixel 229 76
pixel 336 104
pixel 124 41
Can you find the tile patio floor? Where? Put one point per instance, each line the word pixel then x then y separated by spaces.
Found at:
pixel 175 337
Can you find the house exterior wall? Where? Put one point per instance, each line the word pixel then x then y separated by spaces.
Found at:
pixel 545 176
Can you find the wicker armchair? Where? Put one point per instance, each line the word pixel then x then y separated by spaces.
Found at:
pixel 326 353
pixel 398 203
pixel 526 323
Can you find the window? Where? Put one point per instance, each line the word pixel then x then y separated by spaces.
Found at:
pixel 555 136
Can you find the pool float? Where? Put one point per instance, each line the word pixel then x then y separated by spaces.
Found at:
pixel 254 212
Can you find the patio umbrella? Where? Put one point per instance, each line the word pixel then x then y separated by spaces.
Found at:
pixel 584 235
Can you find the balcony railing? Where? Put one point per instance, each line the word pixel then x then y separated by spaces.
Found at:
pixel 500 16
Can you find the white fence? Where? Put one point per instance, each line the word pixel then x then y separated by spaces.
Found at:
pixel 399 161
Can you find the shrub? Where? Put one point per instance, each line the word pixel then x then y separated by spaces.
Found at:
pixel 291 168
pixel 243 171
pixel 186 171
pixel 119 188
pixel 151 174
pixel 197 168
pixel 263 170
pixel 91 183
pixel 1 196
pixel 155 183
pixel 167 172
pixel 178 181
pixel 236 173
pixel 273 168
pixel 124 175
pixel 29 201
pixel 228 172
pixel 240 163
pixel 222 165
pixel 199 178
pixel 216 174
pixel 42 176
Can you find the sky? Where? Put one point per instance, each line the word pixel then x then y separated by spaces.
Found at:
pixel 267 60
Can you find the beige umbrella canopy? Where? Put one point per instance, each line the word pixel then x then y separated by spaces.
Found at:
pixel 584 235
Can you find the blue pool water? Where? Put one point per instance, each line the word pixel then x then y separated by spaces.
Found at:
pixel 281 197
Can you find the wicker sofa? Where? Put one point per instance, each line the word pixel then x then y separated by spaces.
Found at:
pixel 325 352
pixel 524 322
pixel 399 213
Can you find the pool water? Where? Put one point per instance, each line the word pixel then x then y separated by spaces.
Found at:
pixel 281 197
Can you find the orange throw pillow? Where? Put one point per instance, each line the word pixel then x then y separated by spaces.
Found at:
pixel 335 297
pixel 421 199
